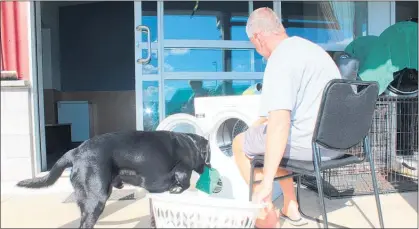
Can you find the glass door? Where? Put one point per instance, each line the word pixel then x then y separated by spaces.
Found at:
pixel 147 68
pixel 206 52
pixel 188 49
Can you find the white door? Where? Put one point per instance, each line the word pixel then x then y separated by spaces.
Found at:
pixel 184 123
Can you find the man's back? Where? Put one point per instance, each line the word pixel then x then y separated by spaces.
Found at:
pixel 295 76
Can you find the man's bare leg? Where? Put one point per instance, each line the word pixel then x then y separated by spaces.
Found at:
pixel 287 185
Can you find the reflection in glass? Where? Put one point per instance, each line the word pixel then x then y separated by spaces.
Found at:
pixel 259 4
pixel 180 94
pixel 331 23
pixel 149 19
pixel 238 23
pixel 213 20
pixel 150 104
pixel 151 67
pixel 207 60
pixel 259 62
pixel 406 10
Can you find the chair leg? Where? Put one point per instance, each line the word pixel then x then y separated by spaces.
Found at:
pixel 298 199
pixel 299 202
pixel 321 196
pixel 251 179
pixel 375 185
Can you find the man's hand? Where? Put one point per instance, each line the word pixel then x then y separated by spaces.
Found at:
pixel 264 193
pixel 267 217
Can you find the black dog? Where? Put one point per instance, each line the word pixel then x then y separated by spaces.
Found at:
pixel 157 161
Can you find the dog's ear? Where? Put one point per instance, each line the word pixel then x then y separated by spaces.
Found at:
pixel 208 155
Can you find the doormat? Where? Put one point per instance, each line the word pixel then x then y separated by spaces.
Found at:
pixel 118 195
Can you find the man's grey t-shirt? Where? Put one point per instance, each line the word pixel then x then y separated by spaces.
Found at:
pixel 295 77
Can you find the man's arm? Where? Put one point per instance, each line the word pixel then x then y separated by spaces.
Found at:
pixel 260 121
pixel 279 96
pixel 276 141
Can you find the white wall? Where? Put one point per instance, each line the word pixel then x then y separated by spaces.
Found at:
pixel 16 133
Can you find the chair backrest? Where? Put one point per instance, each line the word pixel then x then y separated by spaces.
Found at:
pixel 345 115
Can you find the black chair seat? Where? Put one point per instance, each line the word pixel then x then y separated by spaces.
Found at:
pixel 290 164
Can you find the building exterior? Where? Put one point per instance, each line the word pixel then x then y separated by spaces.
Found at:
pixel 169 44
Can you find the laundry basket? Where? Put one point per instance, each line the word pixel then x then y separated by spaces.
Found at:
pixel 191 211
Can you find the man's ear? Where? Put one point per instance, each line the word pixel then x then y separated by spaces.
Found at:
pixel 256 38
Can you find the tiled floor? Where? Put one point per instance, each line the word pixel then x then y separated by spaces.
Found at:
pixel 48 210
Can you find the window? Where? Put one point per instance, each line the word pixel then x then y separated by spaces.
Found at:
pixel 332 24
pixel 211 60
pixel 211 20
pixel 406 10
pixel 180 94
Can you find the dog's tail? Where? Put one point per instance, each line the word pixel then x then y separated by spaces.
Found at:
pixel 42 182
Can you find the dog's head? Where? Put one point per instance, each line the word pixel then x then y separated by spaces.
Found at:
pixel 203 148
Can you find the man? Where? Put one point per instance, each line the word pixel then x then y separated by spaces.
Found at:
pixel 197 91
pixel 297 71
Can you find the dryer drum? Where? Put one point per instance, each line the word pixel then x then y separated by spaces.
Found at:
pixel 227 131
pixel 239 127
pixel 233 184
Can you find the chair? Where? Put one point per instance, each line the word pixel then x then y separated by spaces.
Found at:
pixel 344 119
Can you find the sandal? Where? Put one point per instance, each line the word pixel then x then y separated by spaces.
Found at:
pixel 299 222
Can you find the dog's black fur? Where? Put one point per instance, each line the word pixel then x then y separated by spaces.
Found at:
pixel 157 161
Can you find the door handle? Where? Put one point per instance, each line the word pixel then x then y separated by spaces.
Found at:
pixel 143 28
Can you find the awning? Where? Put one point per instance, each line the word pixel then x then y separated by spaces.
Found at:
pixel 14 26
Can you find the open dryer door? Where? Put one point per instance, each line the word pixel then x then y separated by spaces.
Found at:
pixel 184 123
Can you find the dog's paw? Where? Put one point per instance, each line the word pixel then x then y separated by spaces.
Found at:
pixel 119 186
pixel 152 222
pixel 176 190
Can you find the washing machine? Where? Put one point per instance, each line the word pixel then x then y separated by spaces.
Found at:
pixel 220 119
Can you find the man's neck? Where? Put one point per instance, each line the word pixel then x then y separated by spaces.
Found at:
pixel 277 41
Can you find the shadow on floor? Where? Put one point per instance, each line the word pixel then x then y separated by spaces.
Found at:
pixel 109 210
pixel 310 207
pixel 411 198
pixel 143 222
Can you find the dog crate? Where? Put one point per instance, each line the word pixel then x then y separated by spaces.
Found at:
pixel 394 146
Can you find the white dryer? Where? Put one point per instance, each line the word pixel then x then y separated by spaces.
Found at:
pixel 184 123
pixel 220 119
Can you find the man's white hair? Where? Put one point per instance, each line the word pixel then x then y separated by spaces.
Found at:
pixel 263 20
